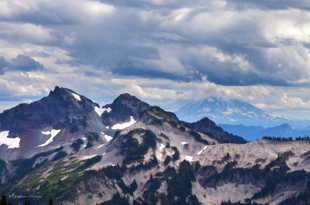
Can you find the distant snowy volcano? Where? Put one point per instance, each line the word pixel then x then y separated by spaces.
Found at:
pixel 227 111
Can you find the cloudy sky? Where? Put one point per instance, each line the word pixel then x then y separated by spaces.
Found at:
pixel 163 51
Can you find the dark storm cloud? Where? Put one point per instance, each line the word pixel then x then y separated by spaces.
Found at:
pixel 20 63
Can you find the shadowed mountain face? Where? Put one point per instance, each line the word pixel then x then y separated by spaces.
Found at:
pixel 207 126
pixel 69 148
pixel 59 106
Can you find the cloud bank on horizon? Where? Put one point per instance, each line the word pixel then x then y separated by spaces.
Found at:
pixel 159 50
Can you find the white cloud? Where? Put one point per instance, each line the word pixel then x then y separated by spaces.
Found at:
pixel 26 32
pixel 293 102
pixel 290 25
pixel 55 12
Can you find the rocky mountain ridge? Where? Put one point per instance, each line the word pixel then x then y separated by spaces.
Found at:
pixel 128 152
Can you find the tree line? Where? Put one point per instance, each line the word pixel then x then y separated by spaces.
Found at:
pixel 287 139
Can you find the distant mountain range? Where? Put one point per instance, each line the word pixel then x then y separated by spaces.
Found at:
pixel 255 132
pixel 71 149
pixel 242 118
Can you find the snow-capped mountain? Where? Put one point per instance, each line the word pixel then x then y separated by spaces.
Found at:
pixel 227 111
pixel 69 148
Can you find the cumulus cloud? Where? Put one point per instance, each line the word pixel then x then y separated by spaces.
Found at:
pixel 26 33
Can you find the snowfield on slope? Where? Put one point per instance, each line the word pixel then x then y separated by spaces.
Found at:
pixel 202 150
pixel 100 110
pixel 53 133
pixel 12 143
pixel 107 137
pixel 121 126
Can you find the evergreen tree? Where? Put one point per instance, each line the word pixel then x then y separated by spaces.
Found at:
pixel 3 200
pixel 27 201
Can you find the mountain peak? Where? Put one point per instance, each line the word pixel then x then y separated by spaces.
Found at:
pixel 61 105
pixel 60 91
pixel 206 122
pixel 207 126
pixel 123 108
pixel 130 102
pixel 127 98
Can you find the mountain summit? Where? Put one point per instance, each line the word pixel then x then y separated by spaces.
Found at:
pixel 123 108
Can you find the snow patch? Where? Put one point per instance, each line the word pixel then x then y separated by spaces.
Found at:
pixel 121 126
pixel 111 164
pixel 12 143
pixel 85 142
pixel 53 133
pixel 161 147
pixel 76 96
pixel 100 146
pixel 87 157
pixel 160 151
pixel 107 137
pixel 100 110
pixel 189 158
pixel 202 150
pixel 64 178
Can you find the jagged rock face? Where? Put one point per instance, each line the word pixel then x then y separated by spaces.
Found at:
pixel 129 152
